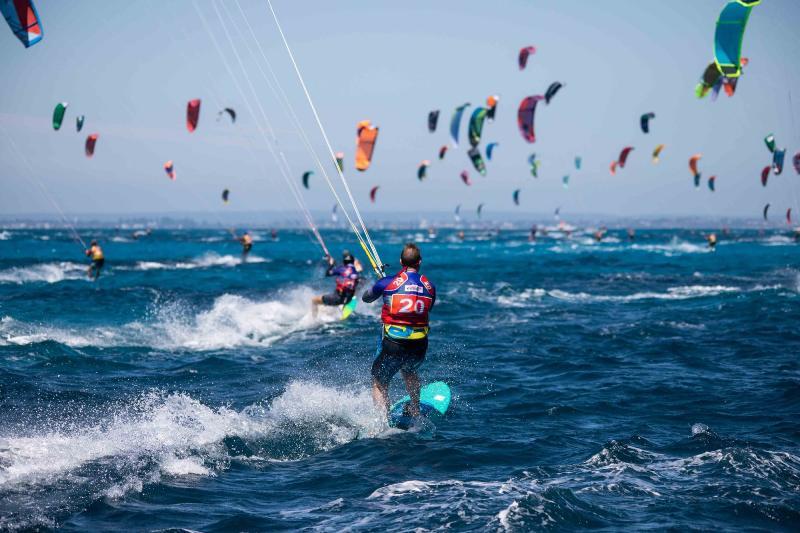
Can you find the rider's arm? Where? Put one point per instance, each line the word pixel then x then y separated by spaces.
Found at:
pixel 370 295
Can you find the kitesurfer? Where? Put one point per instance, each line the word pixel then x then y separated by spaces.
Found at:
pixel 408 297
pixel 347 278
pixel 247 244
pixel 712 241
pixel 532 234
pixel 98 259
pixel 631 234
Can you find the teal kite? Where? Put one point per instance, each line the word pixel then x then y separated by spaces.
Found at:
pixel 729 35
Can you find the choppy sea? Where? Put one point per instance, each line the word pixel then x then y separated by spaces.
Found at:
pixel 646 384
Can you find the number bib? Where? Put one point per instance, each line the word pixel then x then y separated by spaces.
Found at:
pixel 408 300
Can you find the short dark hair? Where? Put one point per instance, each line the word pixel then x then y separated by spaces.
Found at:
pixel 410 256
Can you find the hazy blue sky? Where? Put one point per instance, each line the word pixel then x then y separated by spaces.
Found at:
pixel 130 68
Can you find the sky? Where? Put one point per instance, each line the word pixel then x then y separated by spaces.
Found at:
pixel 131 67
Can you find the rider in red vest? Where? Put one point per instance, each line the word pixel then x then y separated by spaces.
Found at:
pixel 408 297
pixel 347 278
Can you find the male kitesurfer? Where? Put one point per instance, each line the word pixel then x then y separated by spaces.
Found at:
pixel 712 241
pixel 408 297
pixel 347 278
pixel 247 244
pixel 96 254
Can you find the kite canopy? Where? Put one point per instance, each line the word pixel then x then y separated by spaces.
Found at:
pixel 231 113
pixel 58 112
pixel 551 91
pixel 764 176
pixel 515 196
pixel 455 123
pixel 491 104
pixel 789 216
pixel 764 212
pixel 476 125
pixel 777 161
pixel 192 114
pixel 657 153
pixel 477 161
pixel 79 123
pixel 523 56
pixel 623 156
pixel 711 183
pixel 525 117
pixel 340 161
pixel 693 163
pixel 480 208
pixel 366 135
pixel 796 162
pixel 442 151
pixel 565 181
pixel 225 194
pixel 769 140
pixel 729 35
pixel 170 170
pixel 578 161
pixel 372 193
pixel 490 150
pixel 23 20
pixel 91 140
pixel 307 175
pixel 433 120
pixel 613 168
pixel 644 121
pixel 422 171
pixel 465 178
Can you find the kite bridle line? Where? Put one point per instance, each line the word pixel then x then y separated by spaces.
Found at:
pixel 280 162
pixel 74 233
pixel 364 240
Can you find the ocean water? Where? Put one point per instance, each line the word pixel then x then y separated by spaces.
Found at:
pixel 617 385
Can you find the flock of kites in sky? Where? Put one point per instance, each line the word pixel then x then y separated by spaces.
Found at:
pixel 721 75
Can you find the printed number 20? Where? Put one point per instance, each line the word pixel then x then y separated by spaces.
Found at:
pixel 408 305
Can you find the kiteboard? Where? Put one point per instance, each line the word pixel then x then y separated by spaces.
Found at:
pixel 434 400
pixel 349 307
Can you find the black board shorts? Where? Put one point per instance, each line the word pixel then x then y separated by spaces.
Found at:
pixel 337 298
pixel 395 355
pixel 98 263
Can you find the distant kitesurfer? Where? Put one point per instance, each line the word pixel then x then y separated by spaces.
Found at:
pixel 96 254
pixel 461 236
pixel 408 297
pixel 247 245
pixel 631 234
pixel 532 234
pixel 347 278
pixel 274 234
pixel 599 234
pixel 712 241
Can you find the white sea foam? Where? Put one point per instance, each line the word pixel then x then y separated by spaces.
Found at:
pixel 5 235
pixel 207 260
pixel 43 273
pixel 232 321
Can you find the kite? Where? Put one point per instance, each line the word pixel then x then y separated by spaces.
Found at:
pixel 523 56
pixel 480 208
pixel 192 114
pixel 764 176
pixel 515 196
pixel 170 170
pixel 91 140
pixel 58 112
pixel 693 163
pixel 442 151
pixel 789 216
pixel 578 161
pixel 372 193
pixel 769 140
pixel 551 91
pixel 711 182
pixel 225 194
pixel 455 123
pixel 366 135
pixel 465 177
pixel 697 177
pixel 340 161
pixel 79 123
pixel 623 156
pixel 334 218
pixel 490 150
pixel 457 213
pixel 534 165
pixel 422 171
pixel 777 161
pixel 231 113
pixel 796 162
pixel 644 121
pixel 764 213
pixel 613 168
pixel 476 125
pixel 657 153
pixel 477 161
pixel 491 104
pixel 307 175
pixel 729 35
pixel 565 181
pixel 433 120
pixel 23 20
pixel 526 115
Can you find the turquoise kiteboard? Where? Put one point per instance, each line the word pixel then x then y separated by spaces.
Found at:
pixel 349 307
pixel 434 400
